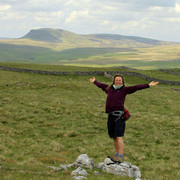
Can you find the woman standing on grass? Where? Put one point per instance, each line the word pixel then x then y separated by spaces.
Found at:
pixel 116 94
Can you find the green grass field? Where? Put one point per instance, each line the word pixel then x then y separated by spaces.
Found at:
pixel 51 120
pixel 84 54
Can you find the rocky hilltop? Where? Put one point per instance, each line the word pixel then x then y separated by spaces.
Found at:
pixel 63 36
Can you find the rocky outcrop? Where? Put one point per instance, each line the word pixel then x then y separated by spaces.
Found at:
pixel 122 169
pixel 79 171
pixel 108 166
pixel 84 161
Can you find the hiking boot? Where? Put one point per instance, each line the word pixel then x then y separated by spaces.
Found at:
pixel 115 159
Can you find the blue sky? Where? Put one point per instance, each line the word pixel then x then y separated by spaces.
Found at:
pixel 156 19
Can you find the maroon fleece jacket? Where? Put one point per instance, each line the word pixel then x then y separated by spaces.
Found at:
pixel 115 98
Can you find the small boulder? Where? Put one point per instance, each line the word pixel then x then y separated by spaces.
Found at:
pixel 79 177
pixel 100 165
pixel 84 161
pixel 65 167
pixel 122 169
pixel 80 171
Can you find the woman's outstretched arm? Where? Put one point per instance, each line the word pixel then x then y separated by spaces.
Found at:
pixel 152 83
pixel 98 84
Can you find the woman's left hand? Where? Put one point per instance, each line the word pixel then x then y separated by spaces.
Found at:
pixel 153 83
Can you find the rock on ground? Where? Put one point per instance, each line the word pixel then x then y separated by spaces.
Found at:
pixel 122 169
pixel 80 171
pixel 84 161
pixel 100 165
pixel 79 177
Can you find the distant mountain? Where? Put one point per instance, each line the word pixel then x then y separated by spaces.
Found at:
pixel 61 36
pixel 121 37
pixel 57 46
pixel 116 37
pixel 49 35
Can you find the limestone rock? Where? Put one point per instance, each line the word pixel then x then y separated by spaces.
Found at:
pixel 84 161
pixel 122 169
pixel 79 177
pixel 80 171
pixel 100 165
pixel 109 76
pixel 135 172
pixel 54 168
pixel 65 167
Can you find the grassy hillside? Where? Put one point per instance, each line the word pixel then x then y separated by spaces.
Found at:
pixel 59 35
pixel 50 120
pixel 20 53
pixel 53 35
pixel 56 46
pixel 146 58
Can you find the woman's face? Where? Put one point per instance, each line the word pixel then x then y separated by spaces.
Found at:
pixel 118 81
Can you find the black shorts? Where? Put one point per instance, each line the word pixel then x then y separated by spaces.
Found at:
pixel 116 128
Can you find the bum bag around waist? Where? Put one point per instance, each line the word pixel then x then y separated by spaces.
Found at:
pixel 124 114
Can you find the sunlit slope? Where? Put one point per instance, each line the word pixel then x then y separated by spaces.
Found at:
pixel 56 46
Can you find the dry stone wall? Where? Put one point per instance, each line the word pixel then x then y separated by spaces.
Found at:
pixel 147 78
pixel 91 73
pixel 170 72
pixel 34 71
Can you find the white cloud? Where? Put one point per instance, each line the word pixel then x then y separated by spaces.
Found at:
pixel 43 17
pixel 156 8
pixel 147 3
pixel 57 14
pixel 72 17
pixel 135 17
pixel 13 16
pixel 177 8
pixel 114 27
pixel 171 20
pixel 69 2
pixel 104 23
pixel 78 4
pixel 75 15
pixel 4 7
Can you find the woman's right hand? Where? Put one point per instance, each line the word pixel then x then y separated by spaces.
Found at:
pixel 92 79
